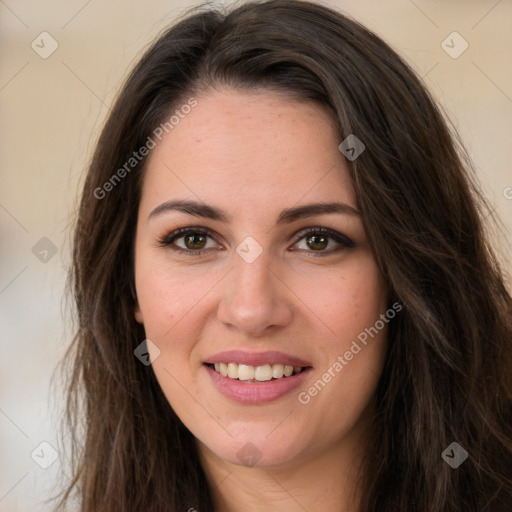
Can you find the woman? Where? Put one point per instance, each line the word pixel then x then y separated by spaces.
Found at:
pixel 286 299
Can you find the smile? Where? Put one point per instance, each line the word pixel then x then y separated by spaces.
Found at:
pixel 262 373
pixel 253 378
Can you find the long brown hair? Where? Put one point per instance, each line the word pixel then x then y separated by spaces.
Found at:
pixel 448 371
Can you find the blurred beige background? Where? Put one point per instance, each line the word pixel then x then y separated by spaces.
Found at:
pixel 52 107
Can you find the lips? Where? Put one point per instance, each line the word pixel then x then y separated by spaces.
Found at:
pixel 270 357
pixel 259 377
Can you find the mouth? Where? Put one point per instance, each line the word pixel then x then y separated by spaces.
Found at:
pixel 262 373
pixel 256 378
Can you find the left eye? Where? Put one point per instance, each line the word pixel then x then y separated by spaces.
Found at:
pixel 322 240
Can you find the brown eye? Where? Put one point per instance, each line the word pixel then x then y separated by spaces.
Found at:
pixel 317 242
pixel 192 241
pixel 195 241
pixel 322 241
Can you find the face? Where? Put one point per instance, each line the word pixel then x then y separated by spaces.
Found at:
pixel 252 259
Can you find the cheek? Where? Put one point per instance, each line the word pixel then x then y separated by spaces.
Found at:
pixel 346 300
pixel 169 302
pixel 168 296
pixel 347 306
pixel 336 400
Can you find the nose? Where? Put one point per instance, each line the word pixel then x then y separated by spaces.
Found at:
pixel 255 300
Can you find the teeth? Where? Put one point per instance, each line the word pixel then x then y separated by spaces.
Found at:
pixel 277 371
pixel 245 372
pixel 233 371
pixel 256 373
pixel 263 373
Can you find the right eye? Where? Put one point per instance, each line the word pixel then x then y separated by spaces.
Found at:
pixel 191 241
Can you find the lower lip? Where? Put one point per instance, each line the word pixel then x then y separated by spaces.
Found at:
pixel 246 392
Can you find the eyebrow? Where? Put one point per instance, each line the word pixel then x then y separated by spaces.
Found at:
pixel 287 216
pixel 191 208
pixel 309 210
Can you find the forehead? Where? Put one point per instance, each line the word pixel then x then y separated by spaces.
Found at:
pixel 257 146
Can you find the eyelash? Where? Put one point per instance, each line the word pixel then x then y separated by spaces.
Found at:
pixel 343 240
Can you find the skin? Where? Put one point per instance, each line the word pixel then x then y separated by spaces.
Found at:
pixel 254 154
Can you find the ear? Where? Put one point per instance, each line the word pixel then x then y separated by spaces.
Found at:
pixel 138 314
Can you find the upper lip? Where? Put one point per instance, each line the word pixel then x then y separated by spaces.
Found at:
pixel 256 358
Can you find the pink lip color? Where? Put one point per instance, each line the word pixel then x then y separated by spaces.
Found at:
pixel 256 358
pixel 253 393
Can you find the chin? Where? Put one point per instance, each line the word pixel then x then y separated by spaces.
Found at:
pixel 256 449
